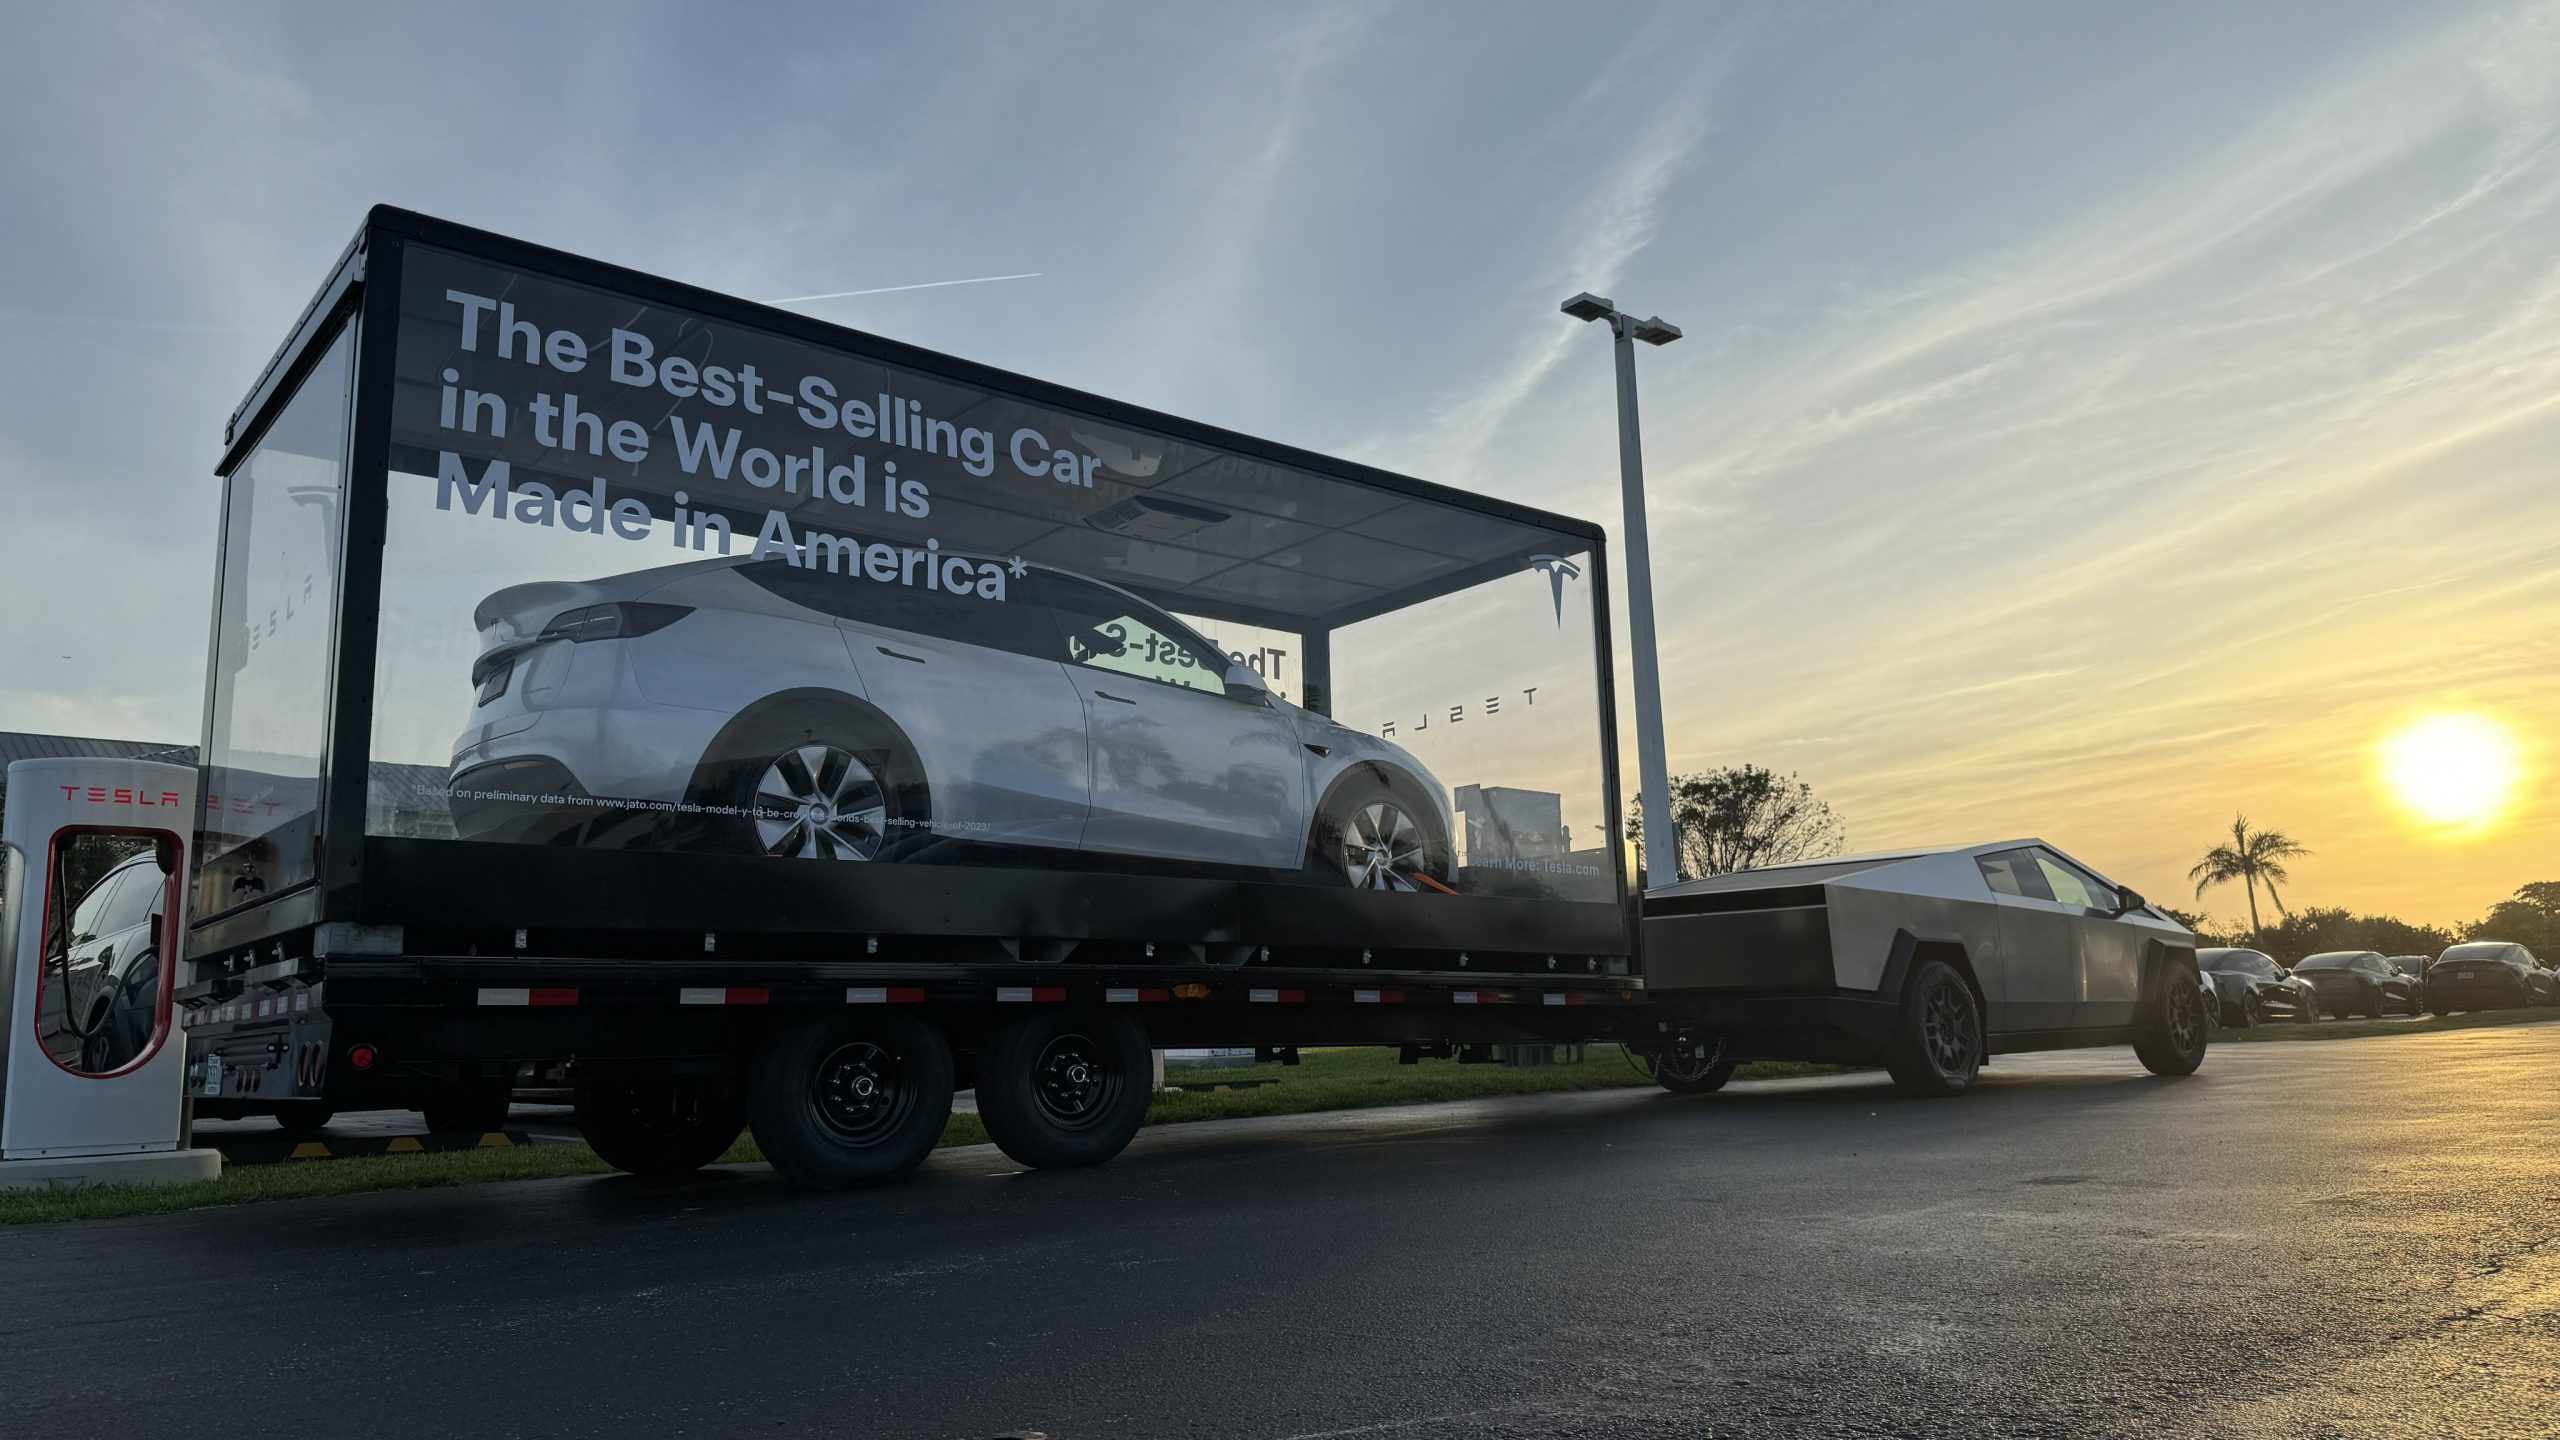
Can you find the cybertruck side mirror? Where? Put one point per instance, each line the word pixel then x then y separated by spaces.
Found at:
pixel 2128 900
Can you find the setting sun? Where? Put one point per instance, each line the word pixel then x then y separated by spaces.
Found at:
pixel 2452 770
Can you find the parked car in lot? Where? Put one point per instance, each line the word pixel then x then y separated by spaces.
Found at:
pixel 2415 967
pixel 2489 975
pixel 2255 989
pixel 2358 982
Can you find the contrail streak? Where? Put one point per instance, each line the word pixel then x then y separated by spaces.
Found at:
pixel 893 289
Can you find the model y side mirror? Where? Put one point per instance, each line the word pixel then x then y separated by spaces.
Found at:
pixel 1245 684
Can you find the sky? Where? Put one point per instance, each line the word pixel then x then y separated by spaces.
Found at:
pixel 2093 421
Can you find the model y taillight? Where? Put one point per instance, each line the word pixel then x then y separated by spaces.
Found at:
pixel 618 621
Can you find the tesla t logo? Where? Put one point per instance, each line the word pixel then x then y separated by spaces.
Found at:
pixel 1558 570
pixel 117 795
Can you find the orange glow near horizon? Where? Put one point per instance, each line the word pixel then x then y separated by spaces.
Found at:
pixel 2454 772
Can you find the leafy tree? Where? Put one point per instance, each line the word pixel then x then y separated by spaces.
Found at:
pixel 2530 918
pixel 2253 857
pixel 2320 928
pixel 1743 817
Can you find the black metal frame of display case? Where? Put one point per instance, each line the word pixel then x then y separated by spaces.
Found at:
pixel 460 897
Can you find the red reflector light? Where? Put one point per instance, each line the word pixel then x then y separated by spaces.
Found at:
pixel 361 1057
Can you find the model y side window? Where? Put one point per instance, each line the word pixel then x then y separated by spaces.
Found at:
pixel 1016 623
pixel 2014 872
pixel 2072 885
pixel 1105 630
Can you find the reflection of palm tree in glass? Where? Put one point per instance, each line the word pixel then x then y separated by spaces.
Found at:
pixel 2251 857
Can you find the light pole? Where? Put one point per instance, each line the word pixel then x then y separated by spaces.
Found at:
pixel 1653 766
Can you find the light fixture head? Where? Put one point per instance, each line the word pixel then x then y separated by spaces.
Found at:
pixel 1656 331
pixel 1587 306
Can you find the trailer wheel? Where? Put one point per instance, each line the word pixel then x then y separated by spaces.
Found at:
pixel 659 1128
pixel 839 1101
pixel 2172 1038
pixel 1064 1089
pixel 1694 1074
pixel 1937 1038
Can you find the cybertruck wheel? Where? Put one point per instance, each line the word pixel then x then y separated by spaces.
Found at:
pixel 2172 1039
pixel 659 1127
pixel 1065 1089
pixel 809 780
pixel 843 1101
pixel 1694 1074
pixel 1373 835
pixel 1937 1039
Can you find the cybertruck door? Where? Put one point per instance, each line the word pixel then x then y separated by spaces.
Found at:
pixel 2110 949
pixel 1181 769
pixel 978 689
pixel 2039 947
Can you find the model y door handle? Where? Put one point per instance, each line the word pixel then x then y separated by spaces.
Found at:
pixel 898 654
pixel 1119 699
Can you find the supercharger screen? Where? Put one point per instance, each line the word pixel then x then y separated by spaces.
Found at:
pixel 656 581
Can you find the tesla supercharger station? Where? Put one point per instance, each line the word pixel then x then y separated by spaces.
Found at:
pixel 94 905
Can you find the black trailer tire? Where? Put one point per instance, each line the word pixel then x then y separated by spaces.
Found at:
pixel 2173 1037
pixel 1937 1040
pixel 840 1101
pixel 1692 1074
pixel 467 1108
pixel 659 1128
pixel 303 1119
pixel 1065 1088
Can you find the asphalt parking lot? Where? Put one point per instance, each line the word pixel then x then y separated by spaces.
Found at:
pixel 2347 1238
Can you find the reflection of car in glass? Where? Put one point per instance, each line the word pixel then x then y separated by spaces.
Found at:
pixel 2489 975
pixel 2358 982
pixel 765 708
pixel 100 1003
pixel 1928 961
pixel 2255 989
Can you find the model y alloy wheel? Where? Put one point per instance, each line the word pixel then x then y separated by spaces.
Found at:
pixel 821 802
pixel 1382 847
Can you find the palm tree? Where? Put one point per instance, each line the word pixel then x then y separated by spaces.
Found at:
pixel 2251 857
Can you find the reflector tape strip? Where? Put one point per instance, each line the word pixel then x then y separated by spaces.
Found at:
pixel 554 997
pixel 1377 997
pixel 1553 999
pixel 1026 994
pixel 1278 997
pixel 494 995
pixel 1132 997
pixel 724 995
pixel 888 995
